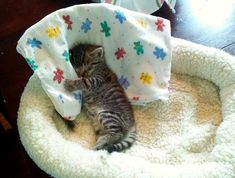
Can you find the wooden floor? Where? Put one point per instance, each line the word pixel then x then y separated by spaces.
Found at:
pixel 208 22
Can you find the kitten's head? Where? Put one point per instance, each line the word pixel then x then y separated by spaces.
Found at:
pixel 84 58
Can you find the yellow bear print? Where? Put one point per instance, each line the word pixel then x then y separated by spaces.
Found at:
pixel 53 32
pixel 146 78
pixel 142 23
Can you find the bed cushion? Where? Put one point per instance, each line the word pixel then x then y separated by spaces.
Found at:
pixel 190 135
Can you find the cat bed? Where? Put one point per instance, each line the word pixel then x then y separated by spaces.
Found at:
pixel 190 135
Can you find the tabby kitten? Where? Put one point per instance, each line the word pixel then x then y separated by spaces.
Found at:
pixel 103 98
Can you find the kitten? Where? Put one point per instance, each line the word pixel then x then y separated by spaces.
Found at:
pixel 104 99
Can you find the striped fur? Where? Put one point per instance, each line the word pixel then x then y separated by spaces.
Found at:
pixel 104 98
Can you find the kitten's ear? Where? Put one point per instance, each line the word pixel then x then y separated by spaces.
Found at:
pixel 97 53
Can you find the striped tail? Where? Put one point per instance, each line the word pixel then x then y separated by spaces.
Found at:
pixel 125 143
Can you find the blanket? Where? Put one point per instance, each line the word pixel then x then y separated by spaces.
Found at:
pixel 137 48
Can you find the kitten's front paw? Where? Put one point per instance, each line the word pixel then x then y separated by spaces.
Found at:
pixel 69 85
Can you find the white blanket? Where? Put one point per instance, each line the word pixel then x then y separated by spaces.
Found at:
pixel 137 48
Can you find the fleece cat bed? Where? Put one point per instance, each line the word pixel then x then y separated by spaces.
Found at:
pixel 189 135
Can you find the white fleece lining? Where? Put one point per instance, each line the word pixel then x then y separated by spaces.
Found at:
pixel 191 135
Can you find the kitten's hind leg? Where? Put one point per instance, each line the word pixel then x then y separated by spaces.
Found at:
pixel 101 142
pixel 105 140
pixel 99 130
